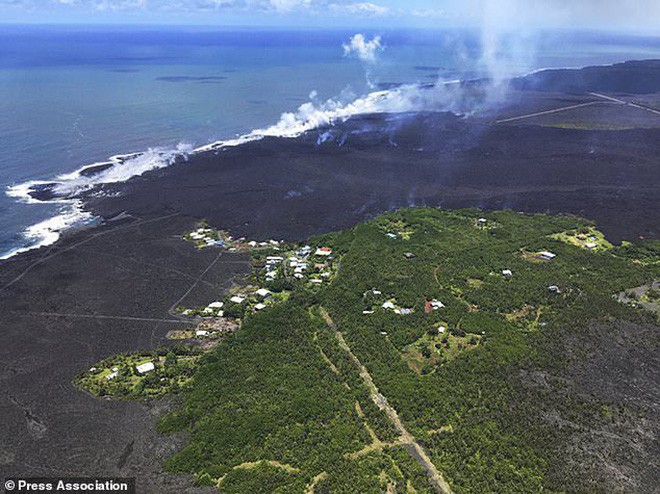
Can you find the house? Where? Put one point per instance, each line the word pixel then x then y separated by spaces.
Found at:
pixel 263 293
pixel 298 270
pixel 237 299
pixel 316 281
pixel 273 242
pixel 274 259
pixel 431 305
pixel 391 235
pixel 507 273
pixel 376 292
pixel 554 289
pixel 219 243
pixel 441 329
pixel 201 332
pixel 215 305
pixel 260 306
pixel 146 367
pixel 298 276
pixel 482 221
pixel 388 305
pixel 367 312
pixel 271 275
pixel 404 312
pixel 252 243
pixel 323 251
pixel 591 245
pixel 547 255
pixel 409 255
pixel 112 375
pixel 320 266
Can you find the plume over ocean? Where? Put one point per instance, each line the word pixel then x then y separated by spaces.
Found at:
pixel 159 96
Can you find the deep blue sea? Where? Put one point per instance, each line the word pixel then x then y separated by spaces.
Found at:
pixel 72 96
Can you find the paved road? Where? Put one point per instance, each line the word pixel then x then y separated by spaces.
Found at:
pixel 101 316
pixel 549 112
pixel 629 103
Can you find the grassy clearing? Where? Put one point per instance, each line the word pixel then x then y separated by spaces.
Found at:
pixel 588 238
pixel 119 376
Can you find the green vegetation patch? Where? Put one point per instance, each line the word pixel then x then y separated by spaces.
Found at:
pixel 280 405
pixel 586 237
pixel 142 374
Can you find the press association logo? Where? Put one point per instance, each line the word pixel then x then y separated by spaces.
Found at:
pixel 78 485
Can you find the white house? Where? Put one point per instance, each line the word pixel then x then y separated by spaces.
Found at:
pixel 237 299
pixel 146 367
pixel 388 305
pixel 591 245
pixel 441 329
pixel 547 255
pixel 507 273
pixel 215 305
pixel 263 293
pixel 436 304
pixel 323 251
pixel 260 306
pixel 201 332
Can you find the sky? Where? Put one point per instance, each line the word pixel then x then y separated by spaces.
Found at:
pixel 641 16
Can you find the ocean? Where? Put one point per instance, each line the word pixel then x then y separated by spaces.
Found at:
pixel 72 96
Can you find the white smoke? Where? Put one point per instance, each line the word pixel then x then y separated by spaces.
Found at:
pixel 123 169
pixel 629 15
pixel 363 49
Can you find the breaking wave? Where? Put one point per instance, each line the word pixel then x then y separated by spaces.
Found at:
pixel 66 189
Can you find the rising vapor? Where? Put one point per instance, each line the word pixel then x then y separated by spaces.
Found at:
pixel 359 47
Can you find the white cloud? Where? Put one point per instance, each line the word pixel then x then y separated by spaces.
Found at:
pixel 429 13
pixel 289 5
pixel 360 8
pixel 363 49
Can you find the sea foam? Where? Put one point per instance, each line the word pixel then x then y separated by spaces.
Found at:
pixel 66 188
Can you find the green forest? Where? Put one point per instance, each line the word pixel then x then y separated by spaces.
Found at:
pixel 480 381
